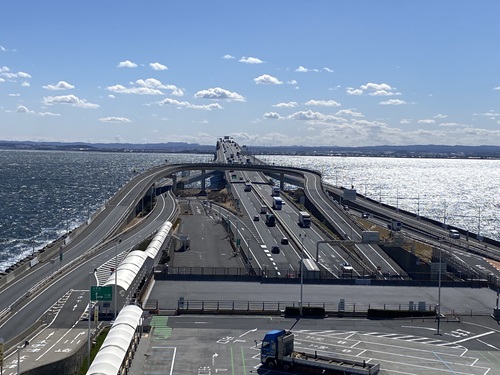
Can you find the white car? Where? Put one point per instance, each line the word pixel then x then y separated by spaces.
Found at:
pixel 453 233
pixel 346 267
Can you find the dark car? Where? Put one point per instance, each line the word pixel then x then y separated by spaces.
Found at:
pixel 284 241
pixel 365 215
pixel 275 249
pixel 256 218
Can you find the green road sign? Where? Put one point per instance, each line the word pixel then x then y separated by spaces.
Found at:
pixel 101 293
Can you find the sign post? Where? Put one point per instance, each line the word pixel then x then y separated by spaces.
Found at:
pixel 101 293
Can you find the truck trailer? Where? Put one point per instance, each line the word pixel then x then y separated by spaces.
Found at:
pixel 275 192
pixel 277 351
pixel 304 219
pixel 277 203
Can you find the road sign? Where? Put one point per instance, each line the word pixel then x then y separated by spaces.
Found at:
pixel 101 293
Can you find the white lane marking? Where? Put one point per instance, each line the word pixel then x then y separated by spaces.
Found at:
pixel 473 337
pixel 485 343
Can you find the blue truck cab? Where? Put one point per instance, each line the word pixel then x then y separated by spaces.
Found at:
pixel 276 345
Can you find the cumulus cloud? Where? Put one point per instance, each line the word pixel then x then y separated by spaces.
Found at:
pixel 405 121
pixel 218 93
pixel 250 60
pixel 16 94
pixel 61 85
pixel 323 103
pixel 158 66
pixel 314 116
pixel 149 86
pixel 272 116
pixel 302 69
pixel 292 82
pixel 266 79
pixel 127 64
pixel 353 91
pixel 22 109
pixel 426 121
pixel 373 89
pixel 228 57
pixel 4 69
pixel 439 115
pixel 349 112
pixel 177 103
pixel 328 70
pixel 115 119
pixel 25 84
pixel 393 102
pixel 72 100
pixel 286 105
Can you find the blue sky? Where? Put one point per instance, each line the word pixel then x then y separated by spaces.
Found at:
pixel 333 73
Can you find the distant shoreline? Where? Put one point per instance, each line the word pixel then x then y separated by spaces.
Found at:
pixel 415 151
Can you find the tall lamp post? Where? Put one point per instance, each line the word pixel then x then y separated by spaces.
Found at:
pixel 115 296
pixel 438 309
pixel 302 236
pixel 19 347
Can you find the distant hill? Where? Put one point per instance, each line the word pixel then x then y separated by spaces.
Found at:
pixel 415 151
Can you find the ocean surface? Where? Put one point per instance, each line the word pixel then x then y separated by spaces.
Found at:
pixel 44 194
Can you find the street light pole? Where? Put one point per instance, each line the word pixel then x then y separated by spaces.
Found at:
pixel 116 273
pixel 438 309
pixel 302 236
pixel 90 309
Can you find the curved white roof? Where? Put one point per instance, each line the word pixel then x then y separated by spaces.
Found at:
pixel 114 348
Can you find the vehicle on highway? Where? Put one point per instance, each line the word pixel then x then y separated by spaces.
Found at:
pixel 263 209
pixel 275 249
pixel 270 220
pixel 453 233
pixel 256 218
pixel 275 192
pixel 365 215
pixel 395 225
pixel 277 351
pixel 277 203
pixel 248 186
pixel 346 267
pixel 284 241
pixel 304 219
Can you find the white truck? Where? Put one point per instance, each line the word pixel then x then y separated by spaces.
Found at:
pixel 277 351
pixel 395 225
pixel 304 219
pixel 277 203
pixel 275 192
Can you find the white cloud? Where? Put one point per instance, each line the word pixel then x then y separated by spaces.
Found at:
pixel 292 82
pixel 111 96
pixel 127 64
pixel 405 121
pixel 2 48
pixel 490 113
pixel 22 109
pixel 2 80
pixel 313 116
pixel 353 91
pixel 376 87
pixel 393 102
pixel 149 86
pixel 218 93
pixel 439 115
pixel 49 114
pixel 323 103
pixel 72 100
pixel 4 69
pixel 25 84
pixel 250 60
pixel 452 125
pixel 272 116
pixel 328 70
pixel 349 112
pixel 15 94
pixel 426 121
pixel 176 103
pixel 23 75
pixel 266 79
pixel 115 119
pixel 496 88
pixel 158 66
pixel 302 69
pixel 286 105
pixel 61 85
pixel 228 57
